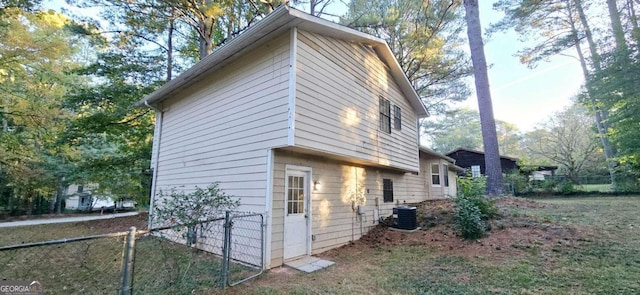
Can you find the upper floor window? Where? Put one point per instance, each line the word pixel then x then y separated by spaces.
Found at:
pixel 475 171
pixel 397 117
pixel 445 170
pixel 435 174
pixel 385 115
pixel 387 190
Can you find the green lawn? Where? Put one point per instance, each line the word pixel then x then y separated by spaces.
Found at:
pixel 571 245
pixel 603 188
pixel 597 252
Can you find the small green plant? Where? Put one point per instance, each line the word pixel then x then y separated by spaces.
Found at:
pixel 468 220
pixel 472 189
pixel 519 182
pixel 565 187
pixel 179 208
pixel 473 208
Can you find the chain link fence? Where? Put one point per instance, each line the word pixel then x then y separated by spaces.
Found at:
pixel 84 265
pixel 177 259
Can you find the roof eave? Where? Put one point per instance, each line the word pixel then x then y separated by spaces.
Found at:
pixel 436 154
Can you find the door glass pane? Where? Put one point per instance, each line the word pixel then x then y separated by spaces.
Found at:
pixel 295 195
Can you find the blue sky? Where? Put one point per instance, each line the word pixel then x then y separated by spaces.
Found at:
pixel 520 95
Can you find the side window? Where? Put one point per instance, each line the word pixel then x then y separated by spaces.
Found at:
pixel 385 114
pixel 435 174
pixel 475 171
pixel 387 190
pixel 445 171
pixel 397 117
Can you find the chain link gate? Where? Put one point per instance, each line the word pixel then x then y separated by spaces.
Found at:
pixel 243 250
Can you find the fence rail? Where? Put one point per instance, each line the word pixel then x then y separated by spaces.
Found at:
pixel 174 259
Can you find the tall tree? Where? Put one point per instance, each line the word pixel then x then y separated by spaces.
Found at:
pixel 567 140
pixel 461 129
pixel 485 106
pixel 559 25
pixel 36 55
pixel 113 138
pixel 425 39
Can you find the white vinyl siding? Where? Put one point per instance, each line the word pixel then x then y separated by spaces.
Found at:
pixel 334 223
pixel 220 129
pixel 338 86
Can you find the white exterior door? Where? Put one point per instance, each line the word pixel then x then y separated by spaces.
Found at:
pixel 296 218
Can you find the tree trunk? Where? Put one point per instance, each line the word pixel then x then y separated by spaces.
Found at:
pixel 618 31
pixel 493 169
pixel 206 35
pixel 595 56
pixel 600 115
pixel 634 21
pixel 170 50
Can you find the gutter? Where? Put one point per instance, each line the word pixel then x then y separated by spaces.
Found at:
pixel 155 152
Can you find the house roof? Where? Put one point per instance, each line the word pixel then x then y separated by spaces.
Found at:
pixel 431 152
pixel 280 20
pixel 478 152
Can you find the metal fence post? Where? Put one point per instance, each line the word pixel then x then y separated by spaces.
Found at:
pixel 226 250
pixel 127 265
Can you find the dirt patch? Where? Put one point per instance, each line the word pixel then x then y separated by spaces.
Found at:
pixel 510 234
pixel 140 221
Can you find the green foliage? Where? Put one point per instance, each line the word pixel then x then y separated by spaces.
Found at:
pixel 565 187
pixel 114 139
pixel 468 221
pixel 182 208
pixel 568 139
pixel 185 210
pixel 425 40
pixel 519 183
pixel 37 53
pixel 472 189
pixel 629 184
pixel 473 208
pixel 461 129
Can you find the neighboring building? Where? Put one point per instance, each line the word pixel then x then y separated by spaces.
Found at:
pixel 439 184
pixel 310 122
pixel 82 198
pixel 473 162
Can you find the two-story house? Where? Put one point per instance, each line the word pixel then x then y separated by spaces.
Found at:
pixel 310 122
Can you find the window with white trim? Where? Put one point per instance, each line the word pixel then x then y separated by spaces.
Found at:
pixel 475 171
pixel 435 174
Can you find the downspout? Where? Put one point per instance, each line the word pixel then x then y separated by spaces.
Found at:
pixel 156 155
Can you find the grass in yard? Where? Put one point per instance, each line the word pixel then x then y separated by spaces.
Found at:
pixel 551 246
pixel 556 246
pixel 46 232
pixel 603 188
pixel 95 266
